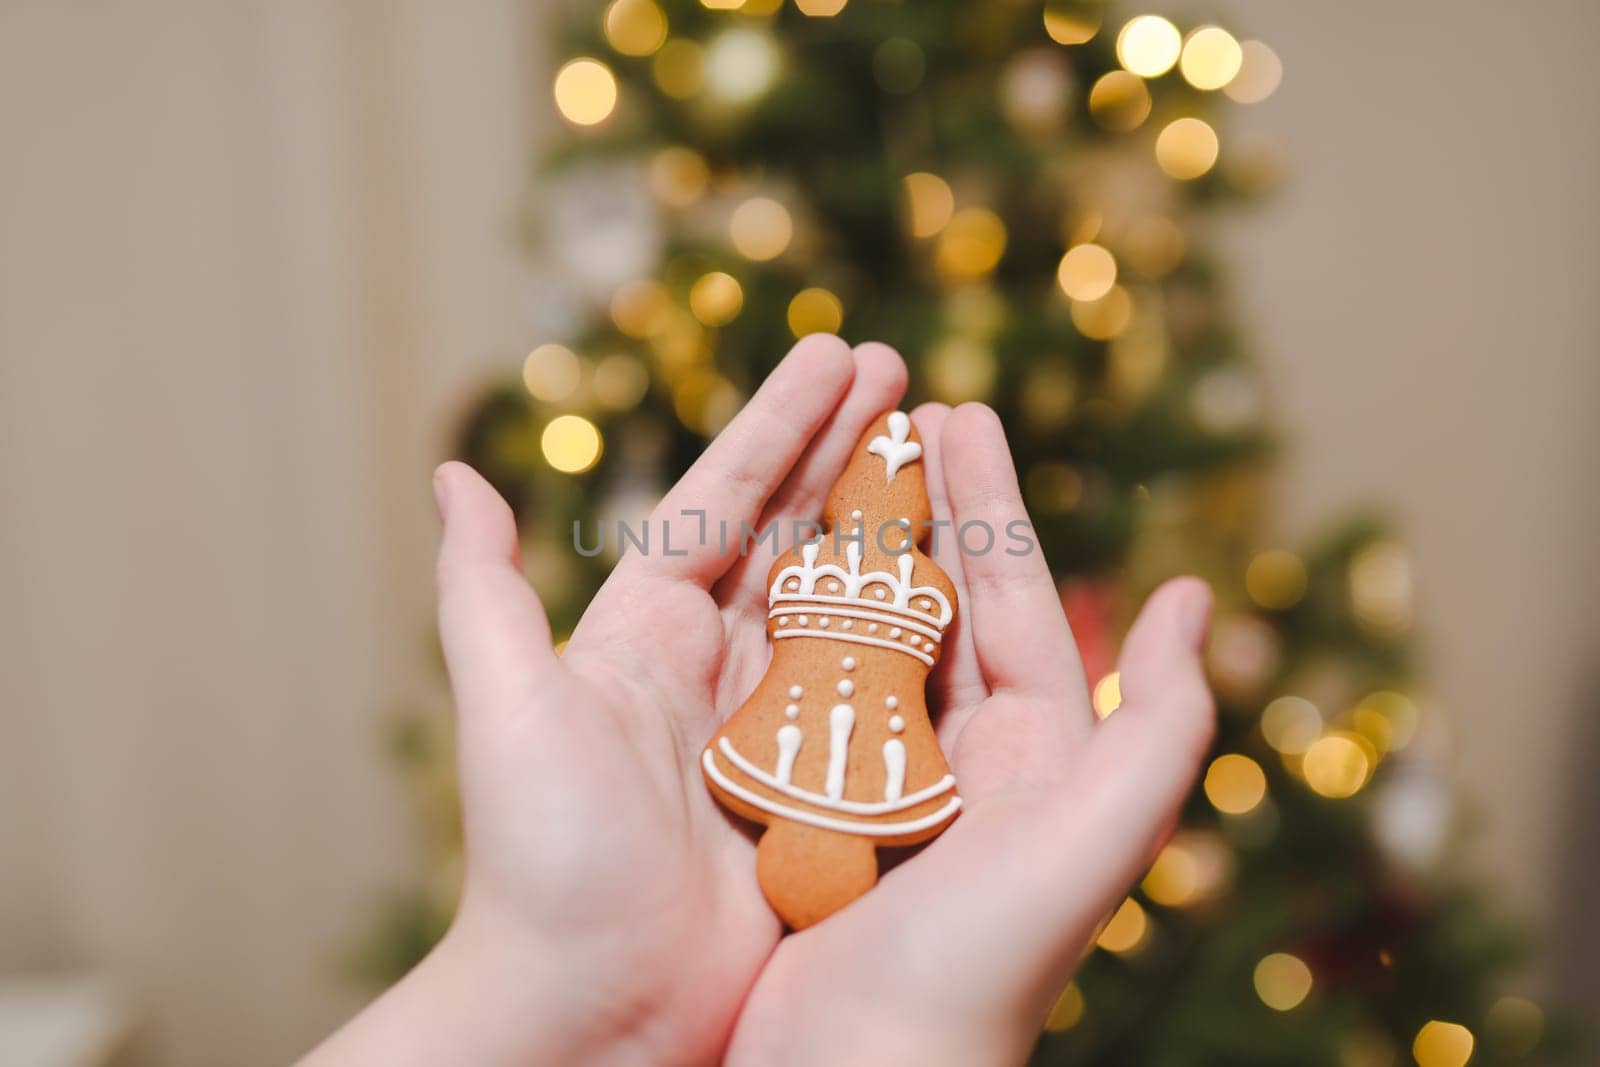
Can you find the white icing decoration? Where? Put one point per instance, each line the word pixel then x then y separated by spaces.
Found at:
pixel 859 640
pixel 891 702
pixel 803 620
pixel 894 766
pixel 795 692
pixel 823 620
pixel 872 628
pixel 849 663
pixel 809 572
pixel 834 587
pixel 846 687
pixel 841 720
pixel 845 826
pixel 848 624
pixel 789 738
pixel 856 514
pixel 825 605
pixel 783 620
pixel 792 711
pixel 848 807
pixel 894 631
pixel 896 724
pixel 880 594
pixel 895 449
pixel 794 583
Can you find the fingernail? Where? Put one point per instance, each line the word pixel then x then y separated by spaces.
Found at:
pixel 441 494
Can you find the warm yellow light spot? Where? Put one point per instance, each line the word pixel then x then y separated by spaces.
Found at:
pixel 1137 359
pixel 1442 1044
pixel 820 9
pixel 705 402
pixel 1119 101
pixel 741 64
pixel 551 372
pixel 680 344
pixel 679 68
pixel 1107 694
pixel 1291 725
pixel 678 176
pixel 760 7
pixel 1103 319
pixel 760 228
pixel 1211 58
pixel 1275 579
pixel 722 5
pixel 620 382
pixel 960 369
pixel 1398 712
pixel 931 203
pixel 1174 878
pixel 716 298
pixel 1260 71
pixel 1513 1027
pixel 1381 588
pixel 641 309
pixel 635 27
pixel 1087 272
pixel 1047 397
pixel 1338 764
pixel 1282 981
pixel 1067 1011
pixel 1070 21
pixel 971 244
pixel 571 444
pixel 1125 932
pixel 815 310
pixel 1054 488
pixel 1148 46
pixel 586 91
pixel 1153 246
pixel 1187 148
pixel 1235 784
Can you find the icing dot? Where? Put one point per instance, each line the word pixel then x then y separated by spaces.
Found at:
pixel 794 583
pixel 834 587
pixel 802 619
pixel 891 702
pixel 856 514
pixel 792 711
pixel 928 645
pixel 849 663
pixel 823 620
pixel 879 593
pixel 783 620
pixel 927 605
pixel 795 692
pixel 846 687
pixel 896 724
pixel 872 627
pixel 894 631
pixel 848 624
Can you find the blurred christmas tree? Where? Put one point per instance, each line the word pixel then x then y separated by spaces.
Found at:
pixel 1016 197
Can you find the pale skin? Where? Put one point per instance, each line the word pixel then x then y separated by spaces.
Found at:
pixel 611 914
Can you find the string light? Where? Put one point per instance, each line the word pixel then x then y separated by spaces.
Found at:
pixel 716 298
pixel 1107 696
pixel 1087 272
pixel 1186 148
pixel 1119 101
pixel 722 5
pixel 1291 725
pixel 820 9
pixel 1397 711
pixel 620 382
pixel 679 68
pixel 678 176
pixel 960 369
pixel 1513 1027
pixel 1126 930
pixel 760 228
pixel 1067 1010
pixel 551 372
pixel 1338 764
pixel 1381 587
pixel 1282 981
pixel 1275 579
pixel 635 27
pixel 1211 58
pixel 815 310
pixel 1235 784
pixel 571 444
pixel 706 401
pixel 1070 21
pixel 1148 46
pixel 741 65
pixel 1442 1044
pixel 1137 359
pixel 1193 867
pixel 641 309
pixel 1260 71
pixel 971 244
pixel 1103 319
pixel 930 201
pixel 585 91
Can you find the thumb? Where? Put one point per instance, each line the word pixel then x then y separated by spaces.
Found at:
pixel 493 629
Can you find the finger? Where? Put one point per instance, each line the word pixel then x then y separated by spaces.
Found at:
pixel 495 635
pixel 957 678
pixel 732 480
pixel 1018 627
pixel 878 385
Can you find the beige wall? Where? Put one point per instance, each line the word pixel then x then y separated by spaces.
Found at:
pixel 253 253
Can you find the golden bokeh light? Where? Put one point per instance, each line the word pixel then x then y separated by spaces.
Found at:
pixel 641 309
pixel 635 27
pixel 722 5
pixel 1103 319
pixel 1381 587
pixel 1338 764
pixel 1054 488
pixel 1235 784
pixel 571 444
pixel 679 68
pixel 971 244
pixel 1148 46
pixel 1119 101
pixel 1107 696
pixel 705 402
pixel 1137 359
pixel 741 64
pixel 960 369
pixel 1398 713
pixel 1153 246
pixel 1126 930
pixel 1187 148
pixel 931 203
pixel 1513 1027
pixel 1048 396
pixel 1282 981
pixel 678 176
pixel 1071 21
pixel 820 9
pixel 1192 868
pixel 585 91
pixel 760 228
pixel 716 298
pixel 1275 579
pixel 552 372
pixel 1087 272
pixel 1066 1011
pixel 1442 1044
pixel 1211 58
pixel 1291 725
pixel 1260 71
pixel 619 382
pixel 815 310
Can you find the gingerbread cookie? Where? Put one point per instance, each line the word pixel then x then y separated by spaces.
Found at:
pixel 834 752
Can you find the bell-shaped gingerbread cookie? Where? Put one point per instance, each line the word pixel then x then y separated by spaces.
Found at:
pixel 834 752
